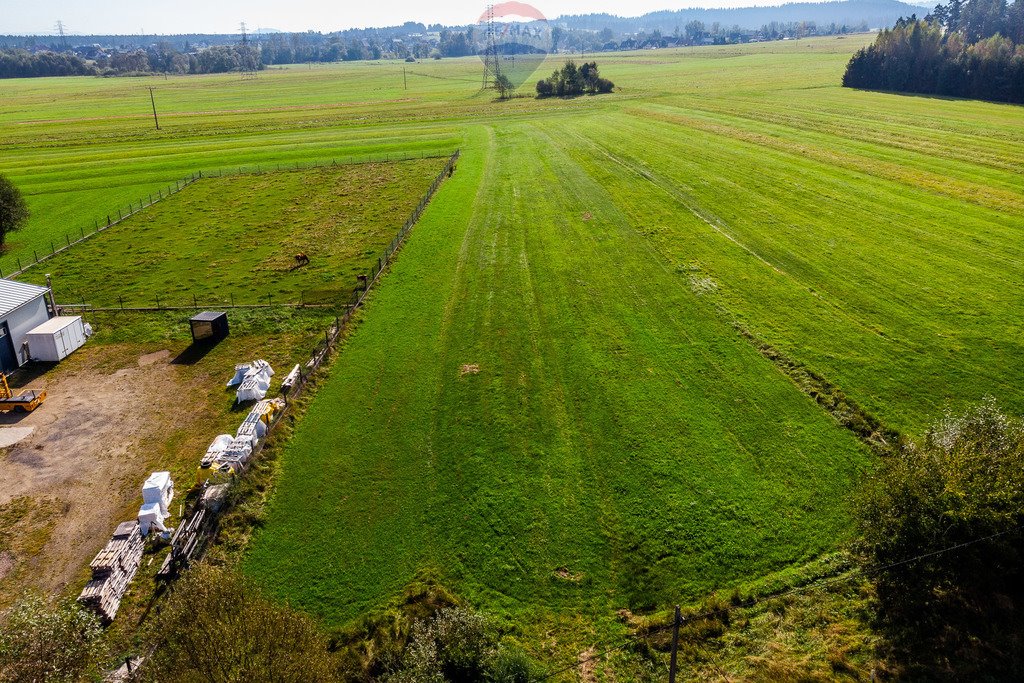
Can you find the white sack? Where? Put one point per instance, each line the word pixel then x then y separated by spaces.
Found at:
pixel 150 516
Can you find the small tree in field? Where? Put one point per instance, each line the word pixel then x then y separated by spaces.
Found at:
pixel 503 86
pixel 13 209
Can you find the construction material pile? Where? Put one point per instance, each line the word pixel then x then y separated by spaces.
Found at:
pixel 252 380
pixel 113 569
pixel 192 533
pixel 291 379
pixel 228 455
pixel 157 493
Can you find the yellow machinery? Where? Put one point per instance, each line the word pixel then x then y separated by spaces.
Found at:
pixel 25 402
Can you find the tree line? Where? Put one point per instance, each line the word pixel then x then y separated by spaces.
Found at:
pixel 571 81
pixel 18 63
pixel 963 49
pixel 24 64
pixel 28 56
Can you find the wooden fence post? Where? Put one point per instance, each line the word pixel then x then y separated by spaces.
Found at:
pixel 675 646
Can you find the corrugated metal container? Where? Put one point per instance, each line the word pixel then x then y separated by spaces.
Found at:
pixel 55 339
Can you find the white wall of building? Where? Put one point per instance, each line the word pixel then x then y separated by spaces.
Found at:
pixel 24 319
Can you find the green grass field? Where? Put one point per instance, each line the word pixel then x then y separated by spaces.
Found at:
pixel 234 239
pixel 622 444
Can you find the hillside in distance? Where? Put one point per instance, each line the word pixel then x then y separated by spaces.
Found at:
pixel 853 13
pixel 874 13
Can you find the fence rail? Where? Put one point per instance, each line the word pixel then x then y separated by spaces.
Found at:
pixel 367 282
pixel 98 226
pixel 199 523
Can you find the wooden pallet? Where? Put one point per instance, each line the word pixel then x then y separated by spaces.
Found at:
pixel 113 569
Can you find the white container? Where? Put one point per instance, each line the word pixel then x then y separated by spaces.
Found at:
pixel 55 339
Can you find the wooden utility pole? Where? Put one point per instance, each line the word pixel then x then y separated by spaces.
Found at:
pixel 152 101
pixel 405 81
pixel 675 646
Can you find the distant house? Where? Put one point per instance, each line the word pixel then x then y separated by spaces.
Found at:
pixel 22 309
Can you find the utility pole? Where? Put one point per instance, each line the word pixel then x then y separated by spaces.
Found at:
pixel 405 81
pixel 248 66
pixel 152 101
pixel 676 618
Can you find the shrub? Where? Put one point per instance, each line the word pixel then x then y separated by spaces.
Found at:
pixel 458 645
pixel 961 488
pixel 49 644
pixel 216 626
pixel 571 81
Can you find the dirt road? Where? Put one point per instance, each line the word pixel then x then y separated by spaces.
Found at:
pixel 82 456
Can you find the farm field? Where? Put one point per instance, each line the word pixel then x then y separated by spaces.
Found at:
pixel 556 404
pixel 233 239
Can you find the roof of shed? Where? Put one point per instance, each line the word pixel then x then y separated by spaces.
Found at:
pixel 55 324
pixel 208 316
pixel 14 295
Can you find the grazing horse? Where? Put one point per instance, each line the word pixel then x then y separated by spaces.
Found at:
pixel 301 260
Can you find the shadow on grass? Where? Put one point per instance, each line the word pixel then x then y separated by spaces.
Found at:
pixel 194 353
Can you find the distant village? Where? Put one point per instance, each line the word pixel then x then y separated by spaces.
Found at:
pixel 25 56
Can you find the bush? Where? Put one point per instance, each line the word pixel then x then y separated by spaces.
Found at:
pixel 963 483
pixel 571 81
pixel 455 645
pixel 48 644
pixel 512 665
pixel 458 645
pixel 216 626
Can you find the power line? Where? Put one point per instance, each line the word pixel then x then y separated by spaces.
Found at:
pixel 774 596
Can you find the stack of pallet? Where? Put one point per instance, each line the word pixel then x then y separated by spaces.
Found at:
pixel 113 569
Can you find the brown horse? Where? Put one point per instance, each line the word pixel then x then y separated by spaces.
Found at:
pixel 301 260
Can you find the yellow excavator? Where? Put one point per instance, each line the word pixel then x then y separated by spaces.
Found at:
pixel 25 402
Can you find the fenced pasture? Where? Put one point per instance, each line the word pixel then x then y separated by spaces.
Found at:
pixel 566 398
pixel 232 240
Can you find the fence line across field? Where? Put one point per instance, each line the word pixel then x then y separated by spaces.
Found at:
pixel 189 547
pixel 323 348
pixel 179 185
pixel 349 304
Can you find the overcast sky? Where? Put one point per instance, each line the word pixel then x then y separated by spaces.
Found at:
pixel 223 16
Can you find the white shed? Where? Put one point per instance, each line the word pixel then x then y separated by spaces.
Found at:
pixel 22 308
pixel 55 339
